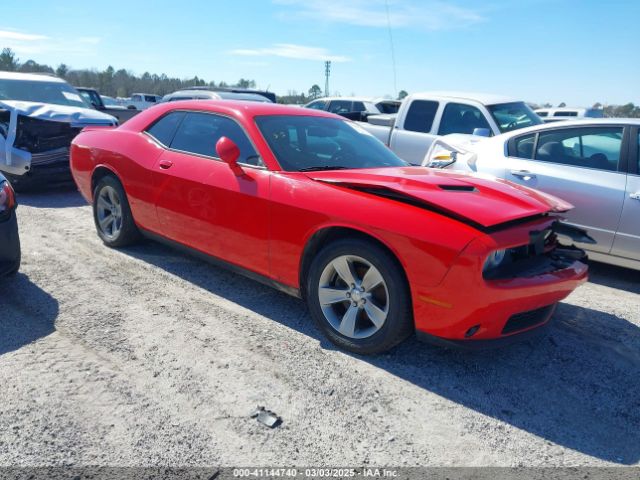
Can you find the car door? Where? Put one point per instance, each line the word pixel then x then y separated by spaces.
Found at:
pixel 627 239
pixel 411 140
pixel 201 202
pixel 582 165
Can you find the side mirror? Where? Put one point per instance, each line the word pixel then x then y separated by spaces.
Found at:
pixel 229 153
pixel 481 132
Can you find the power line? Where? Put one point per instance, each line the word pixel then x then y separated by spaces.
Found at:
pixel 327 72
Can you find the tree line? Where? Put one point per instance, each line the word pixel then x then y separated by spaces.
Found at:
pixel 112 82
pixel 122 83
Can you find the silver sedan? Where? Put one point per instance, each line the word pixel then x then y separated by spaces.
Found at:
pixel 593 164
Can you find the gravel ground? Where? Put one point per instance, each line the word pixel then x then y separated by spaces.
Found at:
pixel 145 356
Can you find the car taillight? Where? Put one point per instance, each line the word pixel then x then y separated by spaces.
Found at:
pixel 7 199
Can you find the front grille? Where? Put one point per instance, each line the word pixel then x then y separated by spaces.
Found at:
pixel 43 136
pixel 59 155
pixel 524 320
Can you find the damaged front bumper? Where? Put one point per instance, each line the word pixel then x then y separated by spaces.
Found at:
pixel 478 307
pixel 35 143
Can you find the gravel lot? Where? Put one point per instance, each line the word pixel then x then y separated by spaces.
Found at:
pixel 145 356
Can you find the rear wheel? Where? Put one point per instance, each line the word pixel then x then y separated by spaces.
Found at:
pixel 112 214
pixel 358 296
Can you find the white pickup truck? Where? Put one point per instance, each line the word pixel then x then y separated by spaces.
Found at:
pixel 424 116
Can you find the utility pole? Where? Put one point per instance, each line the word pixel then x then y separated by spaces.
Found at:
pixel 327 72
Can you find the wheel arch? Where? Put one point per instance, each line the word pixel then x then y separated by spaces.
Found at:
pixel 99 173
pixel 328 234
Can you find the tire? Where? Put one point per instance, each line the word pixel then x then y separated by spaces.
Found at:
pixel 357 323
pixel 112 214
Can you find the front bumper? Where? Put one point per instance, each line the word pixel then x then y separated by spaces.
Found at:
pixel 9 245
pixel 42 176
pixel 466 309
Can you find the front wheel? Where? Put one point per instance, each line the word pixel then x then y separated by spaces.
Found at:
pixel 358 296
pixel 112 214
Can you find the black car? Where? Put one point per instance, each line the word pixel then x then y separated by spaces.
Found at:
pixel 9 239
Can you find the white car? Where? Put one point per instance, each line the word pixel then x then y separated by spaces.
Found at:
pixel 142 101
pixel 567 113
pixel 39 117
pixel 592 163
pixel 192 94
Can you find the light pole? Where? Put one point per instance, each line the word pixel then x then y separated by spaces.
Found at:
pixel 327 72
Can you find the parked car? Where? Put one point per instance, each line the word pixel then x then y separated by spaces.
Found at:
pixel 566 113
pixel 39 116
pixel 97 101
pixel 9 238
pixel 386 105
pixel 213 95
pixel 422 117
pixel 353 108
pixel 389 249
pixel 594 164
pixel 142 101
pixel 253 91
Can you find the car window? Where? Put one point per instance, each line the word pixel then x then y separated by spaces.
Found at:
pixel 317 105
pixel 340 106
pixel 136 98
pixel 542 114
pixel 513 116
pixel 164 129
pixel 590 147
pixel 420 116
pixel 638 153
pixel 565 114
pixel 316 143
pixel 150 98
pixel 359 107
pixel 459 118
pixel 199 132
pixel 523 146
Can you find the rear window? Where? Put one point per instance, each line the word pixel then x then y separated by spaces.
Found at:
pixel 420 116
pixel 164 129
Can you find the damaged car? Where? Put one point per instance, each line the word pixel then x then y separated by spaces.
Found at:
pixel 39 117
pixel 310 203
pixel 9 238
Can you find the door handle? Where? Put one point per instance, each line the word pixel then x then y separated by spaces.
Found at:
pixel 524 174
pixel 635 196
pixel 165 164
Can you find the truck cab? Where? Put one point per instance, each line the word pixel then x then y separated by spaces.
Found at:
pixel 424 116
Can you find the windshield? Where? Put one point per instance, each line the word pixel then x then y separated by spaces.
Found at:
pixel 302 143
pixel 56 93
pixel 512 116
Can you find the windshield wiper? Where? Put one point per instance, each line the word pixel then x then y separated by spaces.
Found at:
pixel 323 167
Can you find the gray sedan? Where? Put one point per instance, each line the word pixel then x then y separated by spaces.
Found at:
pixel 593 164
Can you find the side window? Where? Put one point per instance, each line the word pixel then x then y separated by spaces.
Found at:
pixel 522 147
pixel 589 147
pixel 565 114
pixel 317 105
pixel 459 118
pixel 359 107
pixel 164 129
pixel 136 98
pixel 542 114
pixel 420 116
pixel 199 132
pixel 340 106
pixel 150 98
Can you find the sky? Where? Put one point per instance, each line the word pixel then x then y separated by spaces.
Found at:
pixel 573 51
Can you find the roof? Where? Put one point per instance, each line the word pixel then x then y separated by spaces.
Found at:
pixel 233 108
pixel 348 99
pixel 586 121
pixel 483 98
pixel 30 77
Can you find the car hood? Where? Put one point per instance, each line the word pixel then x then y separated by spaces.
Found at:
pixel 76 116
pixel 483 202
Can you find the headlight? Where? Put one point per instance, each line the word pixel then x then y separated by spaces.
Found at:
pixel 494 259
pixel 443 160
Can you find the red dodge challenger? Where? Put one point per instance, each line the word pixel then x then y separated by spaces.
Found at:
pixel 310 203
